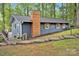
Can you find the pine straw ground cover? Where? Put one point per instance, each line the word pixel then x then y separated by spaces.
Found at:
pixel 61 47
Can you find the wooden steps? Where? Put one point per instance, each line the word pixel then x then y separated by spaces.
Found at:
pixel 3 44
pixel 69 37
pixel 76 35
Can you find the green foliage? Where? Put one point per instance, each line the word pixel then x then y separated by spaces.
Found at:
pixel 1 39
pixel 47 10
pixel 67 43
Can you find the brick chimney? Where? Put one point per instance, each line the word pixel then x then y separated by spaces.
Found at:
pixel 35 17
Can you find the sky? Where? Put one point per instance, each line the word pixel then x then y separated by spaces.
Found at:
pixel 13 5
pixel 57 5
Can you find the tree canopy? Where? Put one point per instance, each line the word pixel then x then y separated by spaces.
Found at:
pixel 66 11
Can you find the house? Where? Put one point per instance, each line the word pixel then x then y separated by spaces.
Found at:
pixel 34 25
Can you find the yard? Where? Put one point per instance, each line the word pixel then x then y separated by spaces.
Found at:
pixel 61 47
pixel 68 32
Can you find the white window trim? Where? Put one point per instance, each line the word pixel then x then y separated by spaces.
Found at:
pixel 47 26
pixel 58 26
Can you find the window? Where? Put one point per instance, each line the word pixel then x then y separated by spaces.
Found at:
pixel 58 26
pixel 42 26
pixel 14 26
pixel 47 26
pixel 17 25
pixel 64 26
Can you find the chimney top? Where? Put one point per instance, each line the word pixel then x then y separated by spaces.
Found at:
pixel 34 12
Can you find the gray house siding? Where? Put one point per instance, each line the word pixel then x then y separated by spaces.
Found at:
pixel 16 28
pixel 51 29
pixel 26 28
pixel 13 30
pixel 23 24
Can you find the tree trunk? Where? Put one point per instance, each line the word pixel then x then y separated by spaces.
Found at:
pixel 51 11
pixel 77 20
pixel 62 11
pixel 54 11
pixel 3 17
pixel 75 14
pixel 42 10
pixel 10 14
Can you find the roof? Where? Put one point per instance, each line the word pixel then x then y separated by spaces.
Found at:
pixel 42 20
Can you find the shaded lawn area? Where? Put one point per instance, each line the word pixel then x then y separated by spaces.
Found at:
pixel 62 47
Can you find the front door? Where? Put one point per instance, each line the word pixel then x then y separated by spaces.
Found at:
pixel 26 28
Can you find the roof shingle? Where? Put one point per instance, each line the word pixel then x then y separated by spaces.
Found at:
pixel 42 20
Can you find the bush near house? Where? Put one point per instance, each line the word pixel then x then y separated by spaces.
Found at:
pixel 1 39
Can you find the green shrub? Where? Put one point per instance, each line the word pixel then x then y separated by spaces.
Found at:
pixel 1 39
